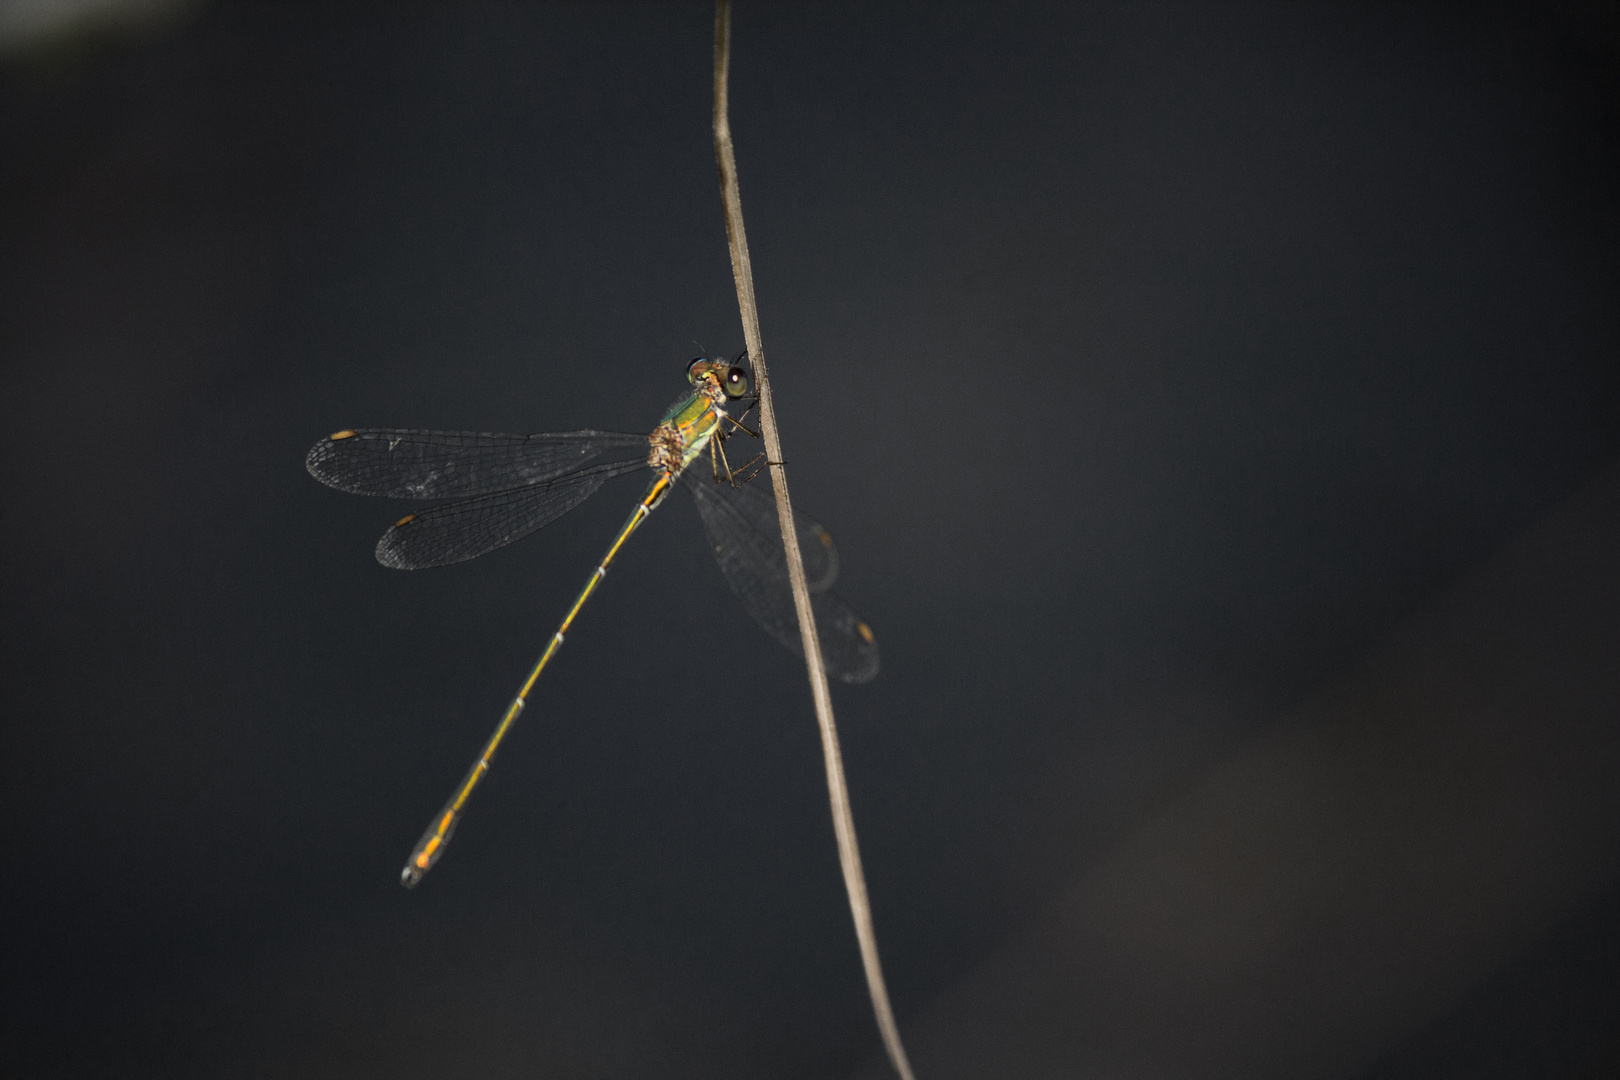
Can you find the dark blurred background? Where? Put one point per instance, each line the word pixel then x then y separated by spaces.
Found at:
pixel 1216 407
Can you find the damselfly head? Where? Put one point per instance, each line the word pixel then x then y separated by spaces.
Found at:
pixel 732 378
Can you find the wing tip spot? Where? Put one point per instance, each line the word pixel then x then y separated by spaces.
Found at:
pixel 866 633
pixel 826 537
pixel 406 520
pixel 344 434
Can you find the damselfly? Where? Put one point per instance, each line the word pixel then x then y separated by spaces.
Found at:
pixel 503 487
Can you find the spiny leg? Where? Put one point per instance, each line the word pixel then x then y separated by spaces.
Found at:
pixel 717 458
pixel 753 466
pixel 737 423
pixel 731 474
pixel 715 455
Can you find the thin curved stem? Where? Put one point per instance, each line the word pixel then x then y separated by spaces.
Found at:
pixel 849 852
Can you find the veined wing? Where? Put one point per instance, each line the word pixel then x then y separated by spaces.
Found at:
pixel 458 531
pixel 407 463
pixel 753 507
pixel 753 563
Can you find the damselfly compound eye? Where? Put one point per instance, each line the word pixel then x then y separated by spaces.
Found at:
pixel 692 371
pixel 736 382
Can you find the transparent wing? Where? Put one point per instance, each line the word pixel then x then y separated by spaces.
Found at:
pixel 458 531
pixel 752 561
pixel 753 506
pixel 406 463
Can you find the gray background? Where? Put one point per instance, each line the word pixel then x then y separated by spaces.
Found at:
pixel 1152 365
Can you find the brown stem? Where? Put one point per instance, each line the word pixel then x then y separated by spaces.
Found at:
pixel 849 852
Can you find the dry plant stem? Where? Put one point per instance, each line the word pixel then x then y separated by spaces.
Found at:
pixel 849 852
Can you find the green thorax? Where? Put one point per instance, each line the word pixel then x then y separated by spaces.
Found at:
pixel 684 432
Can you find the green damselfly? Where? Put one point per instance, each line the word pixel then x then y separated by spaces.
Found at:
pixel 503 487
